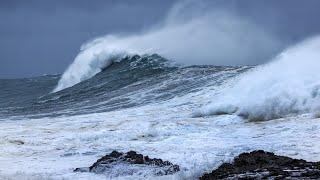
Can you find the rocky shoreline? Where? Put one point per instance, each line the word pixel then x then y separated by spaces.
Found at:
pixel 254 165
pixel 130 163
pixel 265 165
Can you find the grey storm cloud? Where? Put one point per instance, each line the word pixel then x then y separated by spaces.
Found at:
pixel 43 37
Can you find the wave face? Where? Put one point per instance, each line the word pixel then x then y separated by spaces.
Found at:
pixel 127 81
pixel 290 84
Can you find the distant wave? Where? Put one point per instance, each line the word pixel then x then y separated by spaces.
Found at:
pixel 288 85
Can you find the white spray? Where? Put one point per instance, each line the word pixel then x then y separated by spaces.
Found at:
pixel 191 34
pixel 288 85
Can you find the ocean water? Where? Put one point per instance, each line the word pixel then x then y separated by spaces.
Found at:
pixel 196 116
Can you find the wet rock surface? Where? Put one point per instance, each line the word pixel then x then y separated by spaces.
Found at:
pixel 265 165
pixel 130 163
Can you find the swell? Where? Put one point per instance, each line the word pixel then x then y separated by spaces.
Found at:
pixel 15 94
pixel 131 81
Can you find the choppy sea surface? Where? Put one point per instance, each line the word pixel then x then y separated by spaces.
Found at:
pixel 195 116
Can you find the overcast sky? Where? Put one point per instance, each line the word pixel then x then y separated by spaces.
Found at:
pixel 43 36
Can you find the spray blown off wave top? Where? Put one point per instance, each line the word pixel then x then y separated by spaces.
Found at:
pixel 213 36
pixel 290 84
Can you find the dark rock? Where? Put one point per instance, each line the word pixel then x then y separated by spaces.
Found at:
pixel 265 165
pixel 130 163
pixel 81 170
pixel 17 142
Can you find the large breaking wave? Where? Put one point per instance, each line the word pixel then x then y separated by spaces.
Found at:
pixel 288 85
pixel 191 34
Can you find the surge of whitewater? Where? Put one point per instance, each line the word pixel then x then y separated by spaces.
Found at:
pixel 290 84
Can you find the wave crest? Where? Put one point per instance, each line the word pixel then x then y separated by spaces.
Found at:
pixel 190 34
pixel 90 61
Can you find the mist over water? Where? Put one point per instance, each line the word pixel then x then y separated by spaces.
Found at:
pixel 288 85
pixel 191 34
